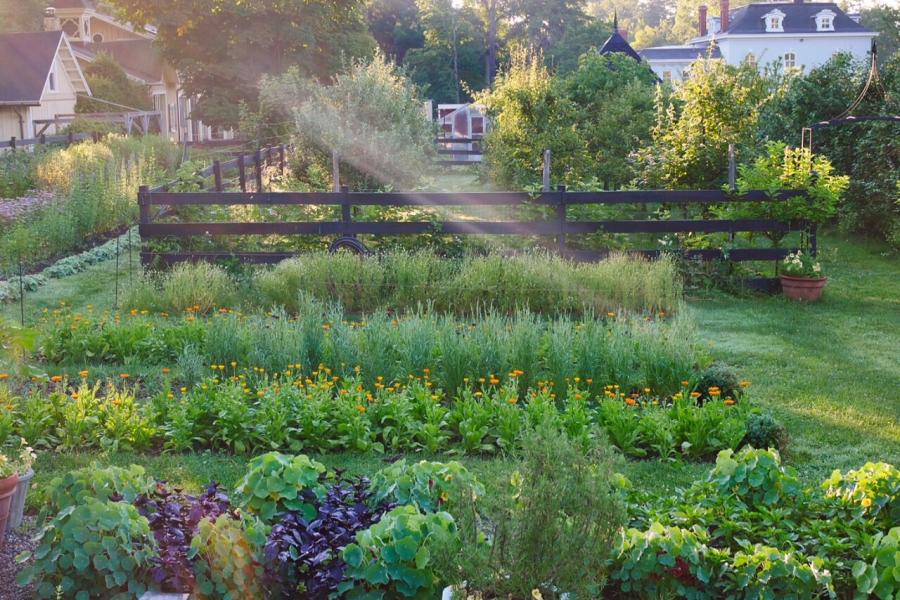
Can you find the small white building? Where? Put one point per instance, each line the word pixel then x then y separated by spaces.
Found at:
pixel 462 121
pixel 39 78
pixel 799 35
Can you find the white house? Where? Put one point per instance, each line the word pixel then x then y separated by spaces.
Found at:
pixel 39 78
pixel 800 35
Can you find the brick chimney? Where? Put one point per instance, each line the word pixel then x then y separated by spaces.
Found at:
pixel 724 9
pixel 703 12
pixel 51 21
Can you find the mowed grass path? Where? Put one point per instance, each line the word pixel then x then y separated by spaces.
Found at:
pixel 830 371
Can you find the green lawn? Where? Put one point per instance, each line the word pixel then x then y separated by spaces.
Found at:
pixel 830 371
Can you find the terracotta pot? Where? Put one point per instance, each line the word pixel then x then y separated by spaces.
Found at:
pixel 803 288
pixel 17 507
pixel 7 491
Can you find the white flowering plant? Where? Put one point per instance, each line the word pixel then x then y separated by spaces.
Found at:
pixel 16 462
pixel 798 264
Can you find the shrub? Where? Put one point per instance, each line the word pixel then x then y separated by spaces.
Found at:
pixel 426 485
pixel 276 483
pixel 767 573
pixel 721 376
pixel 393 557
pixel 753 476
pixel 198 287
pixel 562 497
pixel 764 432
pixel 97 549
pixel 226 557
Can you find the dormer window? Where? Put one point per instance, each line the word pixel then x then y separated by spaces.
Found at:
pixel 825 20
pixel 774 21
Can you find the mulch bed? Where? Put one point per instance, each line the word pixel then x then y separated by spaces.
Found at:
pixel 11 208
pixel 16 541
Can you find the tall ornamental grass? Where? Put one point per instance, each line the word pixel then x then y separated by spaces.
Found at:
pixel 96 193
pixel 541 282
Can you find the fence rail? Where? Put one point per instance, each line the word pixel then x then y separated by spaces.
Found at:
pixel 557 225
pixel 13 143
pixel 248 167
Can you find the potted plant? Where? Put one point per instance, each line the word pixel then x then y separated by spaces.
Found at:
pixel 10 467
pixel 17 507
pixel 801 277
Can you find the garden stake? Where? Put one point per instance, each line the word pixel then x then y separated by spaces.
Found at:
pixel 21 294
pixel 116 299
pixel 130 278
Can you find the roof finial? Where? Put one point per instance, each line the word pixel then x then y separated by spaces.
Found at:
pixel 616 20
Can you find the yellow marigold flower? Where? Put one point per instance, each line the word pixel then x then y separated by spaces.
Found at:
pixel 233 364
pixel 866 502
pixel 745 383
pixel 513 400
pixel 184 390
pixel 10 407
pixel 4 376
pixel 646 390
pixel 610 314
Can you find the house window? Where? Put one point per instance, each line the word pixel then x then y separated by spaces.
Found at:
pixel 51 82
pixel 825 20
pixel 790 60
pixel 70 28
pixel 774 21
pixel 667 76
pixel 477 125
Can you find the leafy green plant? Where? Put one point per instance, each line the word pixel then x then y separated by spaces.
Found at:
pixel 763 431
pixel 97 549
pixel 798 264
pixel 754 476
pixel 276 483
pixel 873 490
pixel 392 559
pixel 879 574
pixel 76 487
pixel 426 485
pixel 226 553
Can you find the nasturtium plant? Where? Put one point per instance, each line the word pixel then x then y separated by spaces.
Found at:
pixel 756 477
pixel 116 483
pixel 668 561
pixel 874 490
pixel 879 575
pixel 276 483
pixel 393 558
pixel 226 554
pixel 97 549
pixel 427 485
pixel 766 573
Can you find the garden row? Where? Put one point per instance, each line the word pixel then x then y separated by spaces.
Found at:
pixel 404 280
pixel 94 186
pixel 293 530
pixel 325 413
pixel 633 352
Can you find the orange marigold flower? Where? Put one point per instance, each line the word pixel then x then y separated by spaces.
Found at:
pixel 83 374
pixel 728 401
pixel 685 383
pixel 124 376
pixel 166 370
pixel 361 408
pixel 695 394
pixel 513 400
pixel 56 378
pixel 630 401
pixel 745 383
pixel 4 376
pixel 714 393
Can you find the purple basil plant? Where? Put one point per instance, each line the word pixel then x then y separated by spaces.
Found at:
pixel 303 558
pixel 173 517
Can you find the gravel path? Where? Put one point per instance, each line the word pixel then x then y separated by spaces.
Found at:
pixel 10 208
pixel 16 541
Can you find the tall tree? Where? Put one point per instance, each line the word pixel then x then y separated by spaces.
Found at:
pixel 21 15
pixel 222 47
pixel 540 24
pixel 397 27
pixel 886 21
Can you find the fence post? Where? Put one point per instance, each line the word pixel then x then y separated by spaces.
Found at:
pixel 144 219
pixel 281 159
pixel 813 239
pixel 345 211
pixel 732 168
pixel 43 139
pixel 217 175
pixel 70 139
pixel 21 292
pixel 257 160
pixel 546 177
pixel 12 143
pixel 242 174
pixel 335 171
pixel 561 217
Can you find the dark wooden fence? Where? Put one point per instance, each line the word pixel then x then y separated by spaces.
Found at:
pixel 559 226
pixel 13 143
pixel 247 170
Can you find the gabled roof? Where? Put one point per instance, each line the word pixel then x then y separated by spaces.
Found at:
pixel 619 45
pixel 26 63
pixel 680 52
pixel 70 4
pixel 799 18
pixel 138 58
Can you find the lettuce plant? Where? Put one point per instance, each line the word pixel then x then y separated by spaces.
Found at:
pixel 755 477
pixel 277 483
